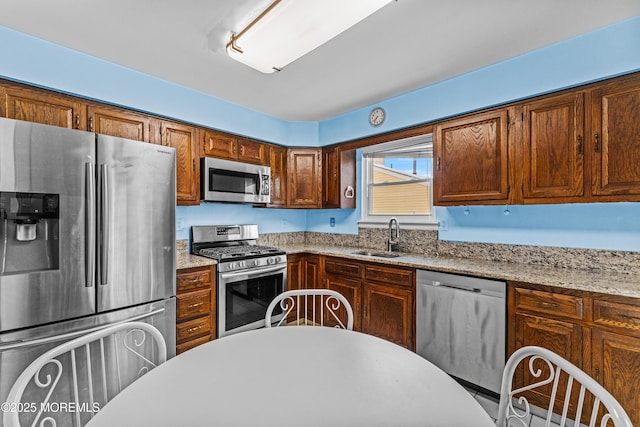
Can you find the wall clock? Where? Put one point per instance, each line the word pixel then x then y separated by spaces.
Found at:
pixel 376 117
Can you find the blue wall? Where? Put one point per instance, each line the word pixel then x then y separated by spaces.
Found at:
pixel 599 54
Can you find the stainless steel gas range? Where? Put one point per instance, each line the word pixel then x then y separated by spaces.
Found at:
pixel 249 276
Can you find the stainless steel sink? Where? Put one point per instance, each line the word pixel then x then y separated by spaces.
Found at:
pixel 378 254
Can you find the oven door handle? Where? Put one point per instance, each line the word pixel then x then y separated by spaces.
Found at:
pixel 253 272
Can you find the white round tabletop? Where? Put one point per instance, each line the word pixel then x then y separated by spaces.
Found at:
pixel 295 376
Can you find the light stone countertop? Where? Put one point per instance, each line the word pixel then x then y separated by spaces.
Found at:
pixel 185 260
pixel 608 282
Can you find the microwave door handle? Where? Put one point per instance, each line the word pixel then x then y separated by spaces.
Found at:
pixel 90 225
pixel 252 273
pixel 104 225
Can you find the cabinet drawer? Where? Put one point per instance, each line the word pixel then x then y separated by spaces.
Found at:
pixel 342 267
pixel 181 348
pixel 193 304
pixel 397 276
pixel 545 302
pixel 194 279
pixel 193 329
pixel 617 315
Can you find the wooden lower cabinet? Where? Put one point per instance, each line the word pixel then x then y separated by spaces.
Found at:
pixel 382 297
pixel 195 307
pixel 598 333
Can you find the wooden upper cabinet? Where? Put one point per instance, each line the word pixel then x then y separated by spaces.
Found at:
pixel 278 164
pixel 553 142
pixel 217 144
pixel 616 138
pixel 304 169
pixel 184 139
pixel 471 158
pixel 330 178
pixel 231 147
pixel 43 107
pixel 338 178
pixel 121 123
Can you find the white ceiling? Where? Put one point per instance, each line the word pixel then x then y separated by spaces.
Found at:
pixel 406 45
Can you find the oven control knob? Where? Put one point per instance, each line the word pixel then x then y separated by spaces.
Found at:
pixel 256 262
pixel 271 260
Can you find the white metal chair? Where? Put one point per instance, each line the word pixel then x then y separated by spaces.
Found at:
pixel 547 368
pixel 311 307
pixel 68 384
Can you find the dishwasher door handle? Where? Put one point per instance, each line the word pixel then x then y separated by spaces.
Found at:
pixel 471 289
pixel 459 288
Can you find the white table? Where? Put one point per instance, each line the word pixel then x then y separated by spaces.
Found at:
pixel 295 376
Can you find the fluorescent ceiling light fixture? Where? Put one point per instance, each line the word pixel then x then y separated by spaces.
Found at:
pixel 289 29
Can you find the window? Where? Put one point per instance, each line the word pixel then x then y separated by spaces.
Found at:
pixel 397 182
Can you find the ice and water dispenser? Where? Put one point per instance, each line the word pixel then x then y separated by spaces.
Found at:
pixel 29 225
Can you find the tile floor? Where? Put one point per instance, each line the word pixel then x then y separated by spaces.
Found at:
pixel 490 404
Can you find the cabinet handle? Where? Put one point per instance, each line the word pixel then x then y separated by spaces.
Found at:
pixel 198 304
pixel 77 121
pixel 579 149
pixel 547 304
pixel 233 148
pixel 438 163
pixel 597 142
pixel 90 124
pixel 190 330
pixel 349 192
pixel 597 374
pixel 241 150
pixel 194 165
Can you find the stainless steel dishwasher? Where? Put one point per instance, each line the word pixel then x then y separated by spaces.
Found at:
pixel 460 326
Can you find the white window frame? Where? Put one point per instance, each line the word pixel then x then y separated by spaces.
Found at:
pixel 422 222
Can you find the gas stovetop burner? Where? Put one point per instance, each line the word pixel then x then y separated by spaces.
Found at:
pixel 224 253
pixel 227 243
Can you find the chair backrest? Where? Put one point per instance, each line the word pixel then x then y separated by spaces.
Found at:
pixel 68 384
pixel 311 307
pixel 581 396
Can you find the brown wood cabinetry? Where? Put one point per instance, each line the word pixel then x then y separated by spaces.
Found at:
pixel 471 158
pixel 553 142
pixel 381 296
pixel 304 171
pixel 41 106
pixel 122 123
pixel 338 178
pixel 195 307
pixel 278 164
pixel 183 138
pixel 598 333
pixel 231 147
pixel 616 139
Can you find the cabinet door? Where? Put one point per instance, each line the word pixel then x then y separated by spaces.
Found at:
pixel 220 145
pixel 388 313
pixel 330 178
pixel 42 107
pixel 616 365
pixel 563 338
pixel 553 130
pixel 252 152
pixel 351 289
pixel 312 272
pixel 183 138
pixel 295 272
pixel 304 169
pixel 616 145
pixel 278 164
pixel 470 157
pixel 120 123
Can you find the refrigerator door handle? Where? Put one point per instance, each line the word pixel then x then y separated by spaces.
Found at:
pixel 104 224
pixel 90 225
pixel 69 335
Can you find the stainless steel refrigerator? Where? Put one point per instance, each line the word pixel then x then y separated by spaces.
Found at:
pixel 87 238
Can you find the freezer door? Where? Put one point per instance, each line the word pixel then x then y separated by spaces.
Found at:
pixel 46 262
pixel 136 251
pixel 18 349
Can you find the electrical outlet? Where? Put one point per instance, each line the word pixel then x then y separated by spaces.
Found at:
pixel 332 222
pixel 443 225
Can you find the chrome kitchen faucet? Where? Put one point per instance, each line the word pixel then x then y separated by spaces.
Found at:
pixel 394 235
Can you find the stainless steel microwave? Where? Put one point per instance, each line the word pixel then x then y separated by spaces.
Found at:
pixel 234 182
